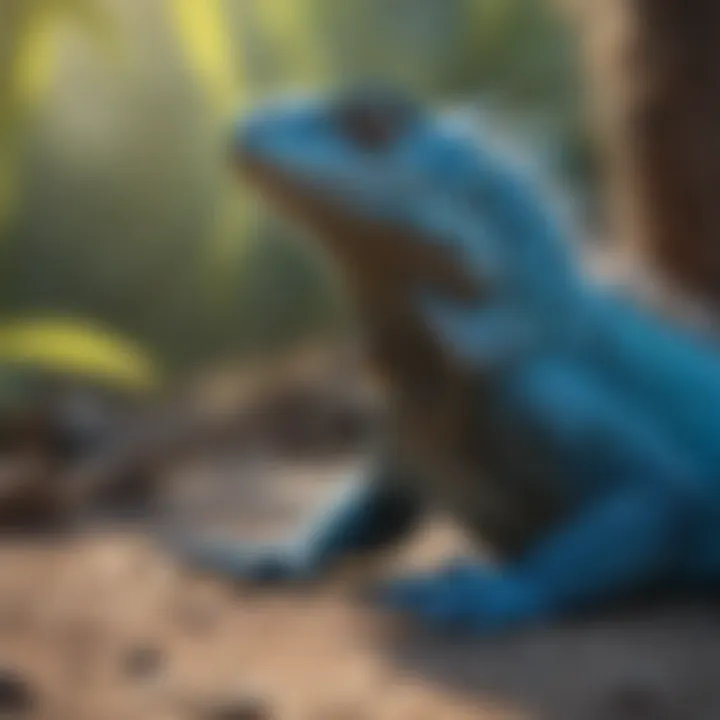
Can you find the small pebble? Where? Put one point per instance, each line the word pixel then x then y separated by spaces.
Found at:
pixel 16 695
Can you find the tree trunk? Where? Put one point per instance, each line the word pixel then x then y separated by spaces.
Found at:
pixel 654 70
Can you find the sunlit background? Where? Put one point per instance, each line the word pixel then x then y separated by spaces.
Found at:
pixel 117 200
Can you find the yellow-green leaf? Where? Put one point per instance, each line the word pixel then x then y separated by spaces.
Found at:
pixel 84 350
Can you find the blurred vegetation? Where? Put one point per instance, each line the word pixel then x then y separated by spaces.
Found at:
pixel 117 203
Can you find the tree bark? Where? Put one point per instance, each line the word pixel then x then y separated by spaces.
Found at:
pixel 654 71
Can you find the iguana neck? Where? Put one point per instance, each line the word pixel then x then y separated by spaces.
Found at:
pixel 401 346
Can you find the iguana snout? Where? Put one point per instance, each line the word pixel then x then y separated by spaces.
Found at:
pixel 360 170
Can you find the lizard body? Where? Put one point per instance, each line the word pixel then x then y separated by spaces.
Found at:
pixel 574 434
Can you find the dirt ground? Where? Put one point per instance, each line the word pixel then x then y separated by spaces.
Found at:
pixel 102 624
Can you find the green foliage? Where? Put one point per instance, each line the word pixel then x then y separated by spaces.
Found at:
pixel 28 49
pixel 127 208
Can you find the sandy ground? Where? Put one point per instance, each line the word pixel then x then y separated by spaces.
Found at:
pixel 104 625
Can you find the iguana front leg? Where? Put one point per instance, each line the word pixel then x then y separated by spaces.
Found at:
pixel 369 513
pixel 638 501
pixel 621 544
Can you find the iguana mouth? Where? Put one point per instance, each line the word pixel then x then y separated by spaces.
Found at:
pixel 383 250
pixel 272 183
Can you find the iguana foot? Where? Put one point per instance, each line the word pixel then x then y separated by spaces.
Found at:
pixel 465 597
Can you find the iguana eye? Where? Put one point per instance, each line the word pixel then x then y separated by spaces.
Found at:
pixel 373 119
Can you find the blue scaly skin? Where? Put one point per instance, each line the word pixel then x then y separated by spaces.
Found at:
pixel 576 436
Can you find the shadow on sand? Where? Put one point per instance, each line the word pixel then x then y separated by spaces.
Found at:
pixel 656 663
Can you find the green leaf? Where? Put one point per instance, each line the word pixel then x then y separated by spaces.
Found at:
pixel 82 350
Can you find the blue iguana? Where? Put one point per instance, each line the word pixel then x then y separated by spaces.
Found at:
pixel 575 434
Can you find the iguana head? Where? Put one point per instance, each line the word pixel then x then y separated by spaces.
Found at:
pixel 400 192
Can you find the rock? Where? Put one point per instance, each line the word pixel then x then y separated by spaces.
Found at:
pixel 17 697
